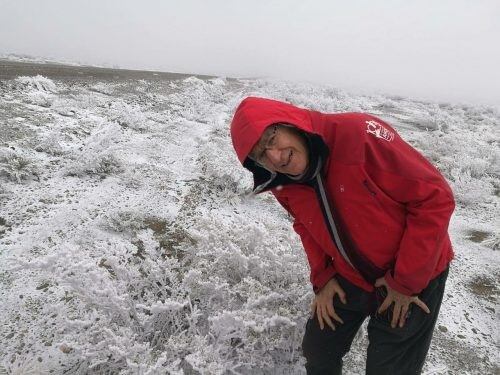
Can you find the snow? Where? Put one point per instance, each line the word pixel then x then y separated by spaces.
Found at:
pixel 130 241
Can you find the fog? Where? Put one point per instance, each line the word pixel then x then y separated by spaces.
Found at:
pixel 445 50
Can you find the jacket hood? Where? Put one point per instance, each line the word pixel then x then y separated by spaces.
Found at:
pixel 254 115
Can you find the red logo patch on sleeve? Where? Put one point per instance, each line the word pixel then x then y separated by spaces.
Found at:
pixel 378 130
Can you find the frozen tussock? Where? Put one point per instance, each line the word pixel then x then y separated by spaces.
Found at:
pixel 128 116
pixel 17 165
pixel 38 82
pixel 99 153
pixel 37 90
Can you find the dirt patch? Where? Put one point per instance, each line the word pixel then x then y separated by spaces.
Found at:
pixel 460 358
pixel 485 287
pixel 478 236
pixel 158 226
pixel 170 236
pixel 173 242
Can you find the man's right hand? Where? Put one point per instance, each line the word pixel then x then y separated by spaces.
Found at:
pixel 322 305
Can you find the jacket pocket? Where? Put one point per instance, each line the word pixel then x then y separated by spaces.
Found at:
pixel 372 192
pixel 384 202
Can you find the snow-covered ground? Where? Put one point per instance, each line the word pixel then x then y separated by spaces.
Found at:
pixel 130 242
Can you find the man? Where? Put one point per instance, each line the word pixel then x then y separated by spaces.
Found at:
pixel 372 215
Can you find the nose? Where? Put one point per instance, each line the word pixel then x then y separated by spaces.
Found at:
pixel 274 156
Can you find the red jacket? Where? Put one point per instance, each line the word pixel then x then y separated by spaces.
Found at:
pixel 395 204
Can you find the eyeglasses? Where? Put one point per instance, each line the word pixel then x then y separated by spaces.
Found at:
pixel 267 142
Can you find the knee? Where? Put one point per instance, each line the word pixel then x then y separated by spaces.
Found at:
pixel 319 347
pixel 308 342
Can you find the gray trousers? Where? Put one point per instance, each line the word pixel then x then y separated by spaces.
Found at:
pixel 391 351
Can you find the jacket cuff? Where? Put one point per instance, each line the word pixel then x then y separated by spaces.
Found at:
pixel 324 277
pixel 393 284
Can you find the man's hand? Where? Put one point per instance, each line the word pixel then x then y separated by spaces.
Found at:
pixel 401 303
pixel 322 304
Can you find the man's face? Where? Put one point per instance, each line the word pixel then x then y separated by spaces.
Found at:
pixel 281 149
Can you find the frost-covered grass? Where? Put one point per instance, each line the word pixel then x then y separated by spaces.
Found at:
pixel 130 242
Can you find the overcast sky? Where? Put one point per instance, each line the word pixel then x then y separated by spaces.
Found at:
pixel 437 49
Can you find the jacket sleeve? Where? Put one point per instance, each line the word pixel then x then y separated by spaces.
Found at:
pixel 404 175
pixel 320 264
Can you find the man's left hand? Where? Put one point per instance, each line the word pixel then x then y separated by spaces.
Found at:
pixel 401 303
